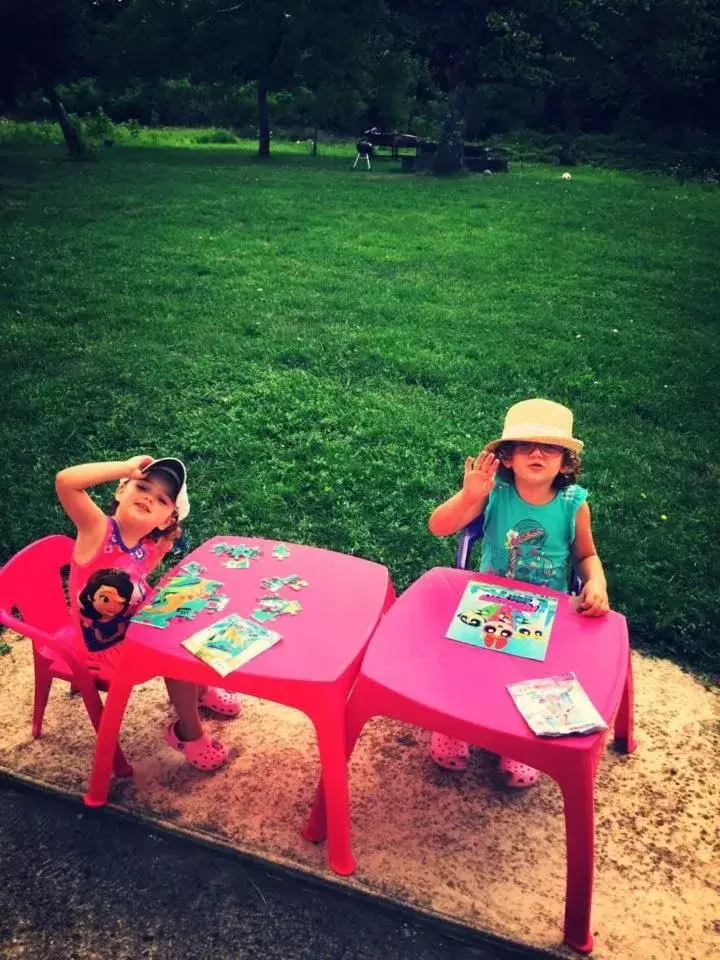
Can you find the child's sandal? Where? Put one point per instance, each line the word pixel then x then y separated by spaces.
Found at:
pixel 222 702
pixel 448 752
pixel 518 775
pixel 204 753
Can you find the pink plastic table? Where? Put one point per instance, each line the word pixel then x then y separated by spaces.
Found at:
pixel 413 673
pixel 312 668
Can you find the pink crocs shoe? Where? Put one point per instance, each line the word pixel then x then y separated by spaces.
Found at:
pixel 448 752
pixel 204 753
pixel 518 775
pixel 222 702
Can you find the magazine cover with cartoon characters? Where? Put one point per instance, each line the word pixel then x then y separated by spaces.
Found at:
pixel 499 618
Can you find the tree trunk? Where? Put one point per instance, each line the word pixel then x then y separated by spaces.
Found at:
pixel 72 137
pixel 448 158
pixel 314 150
pixel 263 120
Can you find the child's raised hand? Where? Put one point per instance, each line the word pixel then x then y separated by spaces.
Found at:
pixel 593 599
pixel 136 465
pixel 479 477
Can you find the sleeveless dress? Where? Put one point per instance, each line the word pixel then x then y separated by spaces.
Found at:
pixel 529 542
pixel 106 591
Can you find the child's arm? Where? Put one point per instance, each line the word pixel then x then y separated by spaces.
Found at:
pixel 70 486
pixel 593 600
pixel 468 503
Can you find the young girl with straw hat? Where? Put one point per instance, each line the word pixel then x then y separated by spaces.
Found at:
pixel 536 526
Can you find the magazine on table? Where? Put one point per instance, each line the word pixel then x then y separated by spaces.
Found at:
pixel 229 643
pixel 556 706
pixel 511 621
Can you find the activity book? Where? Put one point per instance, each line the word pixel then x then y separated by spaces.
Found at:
pixel 501 618
pixel 229 643
pixel 556 706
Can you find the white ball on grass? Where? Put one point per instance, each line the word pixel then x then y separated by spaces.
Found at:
pixel 567 176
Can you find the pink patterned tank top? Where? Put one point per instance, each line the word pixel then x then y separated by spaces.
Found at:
pixel 107 591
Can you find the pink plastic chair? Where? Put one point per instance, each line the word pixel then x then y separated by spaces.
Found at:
pixel 31 582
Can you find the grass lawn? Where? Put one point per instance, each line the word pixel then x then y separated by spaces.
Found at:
pixel 324 347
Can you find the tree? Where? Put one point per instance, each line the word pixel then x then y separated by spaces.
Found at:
pixel 49 42
pixel 357 68
pixel 37 51
pixel 276 44
pixel 467 43
pixel 624 60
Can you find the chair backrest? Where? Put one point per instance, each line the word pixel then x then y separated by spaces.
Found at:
pixel 32 583
pixel 473 532
pixel 469 535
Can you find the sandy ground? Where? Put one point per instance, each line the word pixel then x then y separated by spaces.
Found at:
pixel 454 845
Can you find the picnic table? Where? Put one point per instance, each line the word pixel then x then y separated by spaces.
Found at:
pixel 395 142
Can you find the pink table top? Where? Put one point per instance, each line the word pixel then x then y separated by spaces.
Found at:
pixel 340 609
pixel 410 654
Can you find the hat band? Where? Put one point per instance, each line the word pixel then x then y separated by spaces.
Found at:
pixel 528 430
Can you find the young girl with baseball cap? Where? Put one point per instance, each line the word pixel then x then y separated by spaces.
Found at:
pixel 111 559
pixel 536 526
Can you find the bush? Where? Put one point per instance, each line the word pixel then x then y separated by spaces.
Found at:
pixel 217 136
pixel 95 127
pixel 39 131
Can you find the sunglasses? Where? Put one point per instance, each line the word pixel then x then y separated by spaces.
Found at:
pixel 544 449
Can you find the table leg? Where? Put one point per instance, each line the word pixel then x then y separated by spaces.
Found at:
pixel 624 720
pixel 578 790
pixel 334 761
pixel 107 738
pixel 317 827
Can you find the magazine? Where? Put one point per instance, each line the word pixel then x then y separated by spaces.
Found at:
pixel 556 706
pixel 229 643
pixel 502 618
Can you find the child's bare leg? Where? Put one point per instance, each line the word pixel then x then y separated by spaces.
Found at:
pixel 184 697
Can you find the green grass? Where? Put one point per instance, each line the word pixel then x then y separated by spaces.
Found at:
pixel 323 347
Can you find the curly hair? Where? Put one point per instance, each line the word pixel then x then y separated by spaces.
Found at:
pixel 568 475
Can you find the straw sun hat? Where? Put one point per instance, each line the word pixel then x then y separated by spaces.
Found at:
pixel 541 420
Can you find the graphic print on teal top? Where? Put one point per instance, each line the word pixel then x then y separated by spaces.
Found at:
pixel 529 542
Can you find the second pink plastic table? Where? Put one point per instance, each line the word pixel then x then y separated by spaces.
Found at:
pixel 411 672
pixel 312 668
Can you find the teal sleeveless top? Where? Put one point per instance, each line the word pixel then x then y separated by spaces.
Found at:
pixel 529 542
